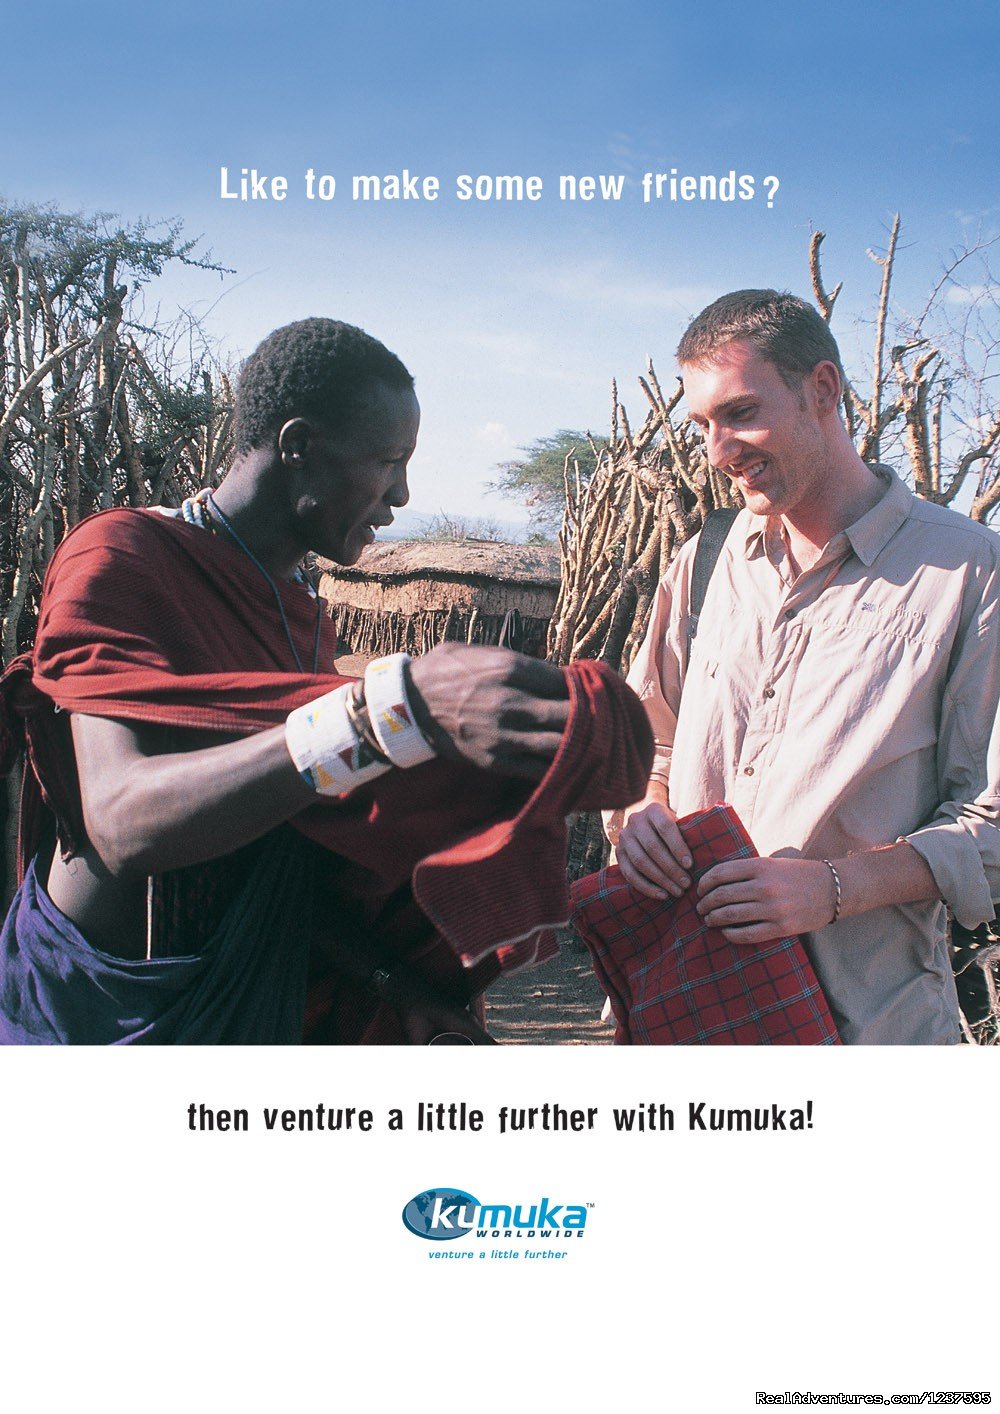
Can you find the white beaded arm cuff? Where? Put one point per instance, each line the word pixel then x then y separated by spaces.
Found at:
pixel 328 752
pixel 390 713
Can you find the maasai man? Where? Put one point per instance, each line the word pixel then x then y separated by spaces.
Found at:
pixel 181 706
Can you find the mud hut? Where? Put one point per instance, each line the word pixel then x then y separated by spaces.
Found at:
pixel 408 595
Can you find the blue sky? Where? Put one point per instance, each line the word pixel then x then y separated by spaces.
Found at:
pixel 513 317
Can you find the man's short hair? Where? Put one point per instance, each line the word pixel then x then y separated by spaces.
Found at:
pixel 316 368
pixel 788 331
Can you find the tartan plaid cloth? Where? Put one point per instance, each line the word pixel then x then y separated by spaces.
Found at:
pixel 674 982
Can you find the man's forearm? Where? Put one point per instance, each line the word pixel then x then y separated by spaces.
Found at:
pixel 656 793
pixel 757 900
pixel 879 878
pixel 615 820
pixel 159 812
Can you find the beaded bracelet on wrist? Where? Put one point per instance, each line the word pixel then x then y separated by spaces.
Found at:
pixel 326 748
pixel 357 711
pixel 391 714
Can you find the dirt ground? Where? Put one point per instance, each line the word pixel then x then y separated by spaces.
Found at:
pixel 557 1004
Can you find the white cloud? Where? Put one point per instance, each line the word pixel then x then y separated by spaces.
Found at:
pixel 597 283
pixel 969 294
pixel 494 434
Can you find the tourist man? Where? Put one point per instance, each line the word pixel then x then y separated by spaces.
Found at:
pixel 181 706
pixel 840 692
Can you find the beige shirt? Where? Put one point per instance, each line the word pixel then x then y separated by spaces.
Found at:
pixel 841 710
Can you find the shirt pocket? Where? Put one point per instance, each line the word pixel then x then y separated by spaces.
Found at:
pixel 870 689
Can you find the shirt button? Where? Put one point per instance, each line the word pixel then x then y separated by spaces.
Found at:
pixel 791 613
pixel 769 692
pixel 748 770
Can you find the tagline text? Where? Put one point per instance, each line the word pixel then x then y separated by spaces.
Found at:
pixel 670 186
pixel 460 1116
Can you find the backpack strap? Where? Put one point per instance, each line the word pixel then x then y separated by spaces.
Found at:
pixel 716 527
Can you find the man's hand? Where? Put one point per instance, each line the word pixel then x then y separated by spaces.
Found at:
pixel 652 854
pixel 496 709
pixel 759 900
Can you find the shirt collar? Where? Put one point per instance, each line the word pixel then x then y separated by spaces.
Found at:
pixel 869 535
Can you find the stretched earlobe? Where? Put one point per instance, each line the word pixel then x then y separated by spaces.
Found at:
pixel 293 441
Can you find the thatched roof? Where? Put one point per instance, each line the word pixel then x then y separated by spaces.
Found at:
pixel 395 561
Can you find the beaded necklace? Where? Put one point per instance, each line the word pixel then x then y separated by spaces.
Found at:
pixel 195 511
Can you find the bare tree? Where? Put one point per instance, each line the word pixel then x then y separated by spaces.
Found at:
pixel 96 409
pixel 933 395
pixel 445 526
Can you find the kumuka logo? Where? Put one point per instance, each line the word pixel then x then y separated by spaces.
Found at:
pixel 444 1214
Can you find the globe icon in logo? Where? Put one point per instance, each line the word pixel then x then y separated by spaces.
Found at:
pixel 456 1206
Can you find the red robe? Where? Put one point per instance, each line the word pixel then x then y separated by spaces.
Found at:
pixel 145 618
